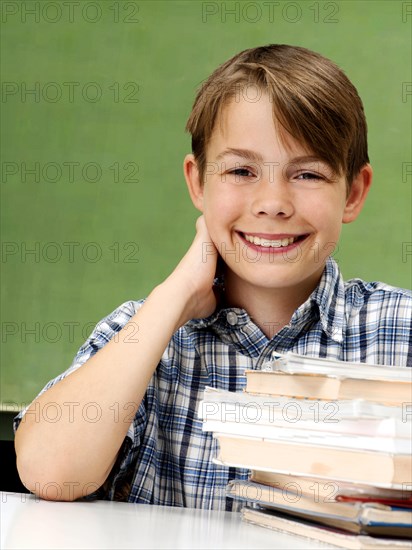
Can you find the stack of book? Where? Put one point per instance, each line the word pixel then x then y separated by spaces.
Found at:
pixel 329 448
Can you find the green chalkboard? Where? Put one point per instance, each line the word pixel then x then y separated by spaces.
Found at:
pixel 95 97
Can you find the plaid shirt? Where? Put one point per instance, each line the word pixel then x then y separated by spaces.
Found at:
pixel 166 458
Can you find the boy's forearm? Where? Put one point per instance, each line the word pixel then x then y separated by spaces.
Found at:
pixel 80 449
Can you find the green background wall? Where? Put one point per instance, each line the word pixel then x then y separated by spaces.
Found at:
pixel 125 231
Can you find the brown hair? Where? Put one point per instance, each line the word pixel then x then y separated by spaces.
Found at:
pixel 313 101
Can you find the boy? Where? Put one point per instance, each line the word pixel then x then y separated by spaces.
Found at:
pixel 279 163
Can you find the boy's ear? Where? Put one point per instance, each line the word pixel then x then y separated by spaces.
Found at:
pixel 357 194
pixel 194 184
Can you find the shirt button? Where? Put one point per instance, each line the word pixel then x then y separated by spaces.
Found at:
pixel 231 318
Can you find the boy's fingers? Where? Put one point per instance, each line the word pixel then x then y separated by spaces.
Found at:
pixel 203 234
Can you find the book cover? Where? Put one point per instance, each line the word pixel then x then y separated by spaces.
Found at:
pixel 346 424
pixel 330 490
pixel 296 363
pixel 307 529
pixel 381 469
pixel 317 378
pixel 357 416
pixel 356 517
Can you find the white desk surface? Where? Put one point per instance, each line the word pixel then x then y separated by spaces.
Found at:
pixel 27 522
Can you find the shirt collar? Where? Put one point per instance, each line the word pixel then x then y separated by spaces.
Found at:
pixel 328 297
pixel 218 316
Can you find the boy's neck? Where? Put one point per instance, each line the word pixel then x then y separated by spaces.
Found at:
pixel 269 309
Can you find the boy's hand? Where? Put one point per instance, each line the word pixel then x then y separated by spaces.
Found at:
pixel 194 275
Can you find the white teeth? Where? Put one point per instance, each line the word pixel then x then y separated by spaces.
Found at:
pixel 268 243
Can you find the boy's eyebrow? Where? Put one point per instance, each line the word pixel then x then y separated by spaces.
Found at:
pixel 257 157
pixel 245 153
pixel 307 158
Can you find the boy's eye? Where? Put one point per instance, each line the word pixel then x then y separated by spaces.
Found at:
pixel 242 173
pixel 309 176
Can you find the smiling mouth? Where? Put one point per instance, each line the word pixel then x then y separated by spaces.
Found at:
pixel 269 243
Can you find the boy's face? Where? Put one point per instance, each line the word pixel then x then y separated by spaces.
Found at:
pixel 273 213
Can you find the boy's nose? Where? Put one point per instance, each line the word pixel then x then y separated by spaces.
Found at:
pixel 272 199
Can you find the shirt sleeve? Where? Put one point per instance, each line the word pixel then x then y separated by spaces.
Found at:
pixel 104 331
